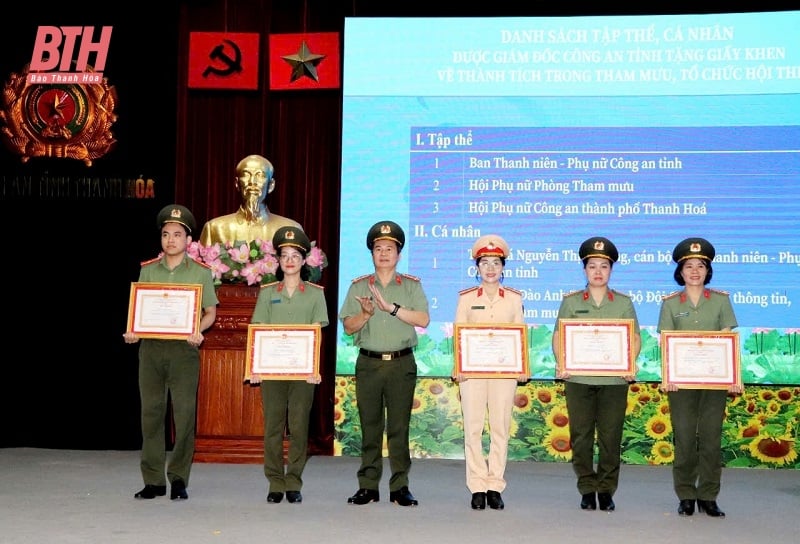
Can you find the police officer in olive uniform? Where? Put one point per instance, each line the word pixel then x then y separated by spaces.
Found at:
pixel 290 300
pixel 696 414
pixel 381 311
pixel 596 404
pixel 171 366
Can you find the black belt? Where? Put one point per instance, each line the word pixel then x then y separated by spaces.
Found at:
pixel 386 355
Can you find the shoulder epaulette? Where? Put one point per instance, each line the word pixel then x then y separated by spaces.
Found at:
pixel 410 277
pixel 269 284
pixel 467 290
pixel 201 263
pixel 620 293
pixel 672 294
pixel 719 291
pixel 311 283
pixel 573 293
pixel 151 261
pixel 358 279
pixel 517 291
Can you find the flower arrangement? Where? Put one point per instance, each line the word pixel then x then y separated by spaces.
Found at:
pixel 253 262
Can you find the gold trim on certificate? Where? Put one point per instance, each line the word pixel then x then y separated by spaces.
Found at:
pixel 596 347
pixel 167 311
pixel 490 350
pixel 282 352
pixel 700 359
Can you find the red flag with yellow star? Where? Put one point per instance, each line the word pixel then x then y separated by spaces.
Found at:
pixel 304 61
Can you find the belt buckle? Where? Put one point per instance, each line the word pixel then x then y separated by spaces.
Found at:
pixel 386 356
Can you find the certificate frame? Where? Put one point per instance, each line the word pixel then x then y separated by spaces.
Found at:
pixel 282 352
pixel 167 311
pixel 700 359
pixel 491 350
pixel 596 347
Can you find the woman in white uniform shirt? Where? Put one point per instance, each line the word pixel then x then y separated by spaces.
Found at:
pixel 488 302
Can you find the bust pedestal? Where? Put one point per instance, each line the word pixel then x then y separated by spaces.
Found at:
pixel 230 423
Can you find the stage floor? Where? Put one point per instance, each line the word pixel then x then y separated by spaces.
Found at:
pixel 68 496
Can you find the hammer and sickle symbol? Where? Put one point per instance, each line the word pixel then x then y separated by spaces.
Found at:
pixel 233 64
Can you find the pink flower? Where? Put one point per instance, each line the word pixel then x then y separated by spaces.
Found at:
pixel 315 257
pixel 240 254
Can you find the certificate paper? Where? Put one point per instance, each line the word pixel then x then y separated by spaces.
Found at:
pixel 164 310
pixel 283 352
pixel 491 350
pixel 700 360
pixel 597 347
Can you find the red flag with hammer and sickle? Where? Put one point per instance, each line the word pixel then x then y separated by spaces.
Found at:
pixel 223 60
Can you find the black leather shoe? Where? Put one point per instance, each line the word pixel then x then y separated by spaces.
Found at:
pixel 364 496
pixel 294 497
pixel 588 501
pixel 686 507
pixel 478 501
pixel 605 502
pixel 274 497
pixel 710 508
pixel 151 492
pixel 178 490
pixel 403 497
pixel 494 500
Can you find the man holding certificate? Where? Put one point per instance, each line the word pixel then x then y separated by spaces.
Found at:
pixel 381 311
pixel 489 302
pixel 290 300
pixel 696 413
pixel 170 365
pixel 597 395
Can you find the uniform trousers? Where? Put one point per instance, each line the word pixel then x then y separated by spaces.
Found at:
pixel 478 396
pixel 596 410
pixel 697 416
pixel 279 398
pixel 167 367
pixel 385 394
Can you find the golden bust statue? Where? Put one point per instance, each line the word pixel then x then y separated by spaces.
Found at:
pixel 253 221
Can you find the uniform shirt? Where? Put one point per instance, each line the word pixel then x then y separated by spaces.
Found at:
pixel 188 271
pixel 474 306
pixel 384 332
pixel 712 313
pixel 580 305
pixel 306 306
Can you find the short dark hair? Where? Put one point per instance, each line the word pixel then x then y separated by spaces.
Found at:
pixel 678 269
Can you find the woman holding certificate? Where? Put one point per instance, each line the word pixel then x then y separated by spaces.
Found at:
pixel 489 302
pixel 290 300
pixel 596 400
pixel 696 414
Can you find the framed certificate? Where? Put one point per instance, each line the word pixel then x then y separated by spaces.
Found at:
pixel 283 352
pixel 165 310
pixel 490 350
pixel 596 347
pixel 700 360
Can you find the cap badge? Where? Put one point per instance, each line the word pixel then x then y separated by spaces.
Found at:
pixel 290 235
pixel 695 248
pixel 599 245
pixel 175 212
pixel 386 229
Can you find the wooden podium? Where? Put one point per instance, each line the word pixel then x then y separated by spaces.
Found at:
pixel 230 423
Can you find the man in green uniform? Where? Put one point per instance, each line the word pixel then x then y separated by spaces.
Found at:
pixel 381 311
pixel 171 367
pixel 596 404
